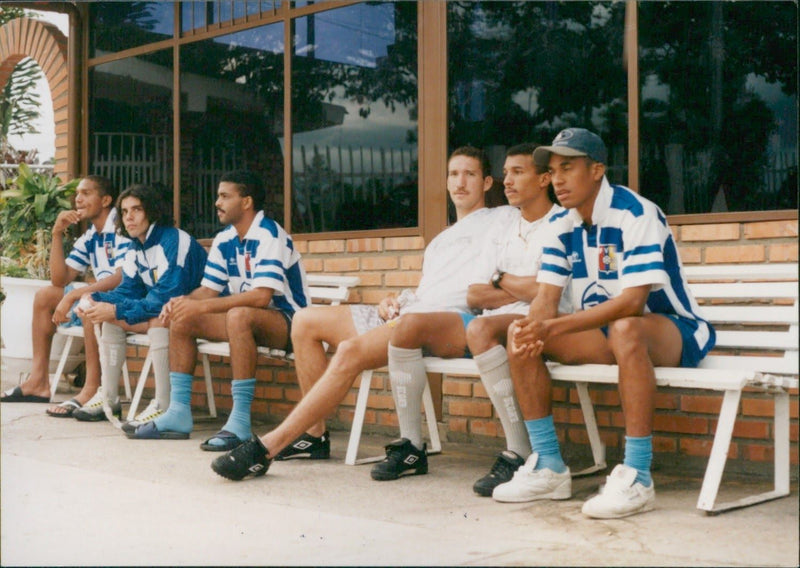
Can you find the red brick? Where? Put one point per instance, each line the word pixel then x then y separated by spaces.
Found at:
pixel 701 404
pixel 341 264
pixel 380 401
pixel 758 407
pixel 560 393
pixel 404 243
pixel 374 244
pixel 313 264
pixel 379 263
pixel 770 229
pixel 457 424
pixel 666 401
pixel 485 428
pixel 320 247
pixel 406 279
pixel 456 388
pixel 690 255
pixel 735 254
pixel 411 262
pixel 750 429
pixel 783 252
pixel 480 409
pixel 714 232
pixel 680 424
pixel 702 447
pixel 387 419
pixel 478 390
pixel 758 453
pixel 663 444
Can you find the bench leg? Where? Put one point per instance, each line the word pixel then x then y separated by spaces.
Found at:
pixel 62 361
pixel 598 447
pixel 212 407
pixel 430 418
pixel 137 396
pixel 719 451
pixel 358 422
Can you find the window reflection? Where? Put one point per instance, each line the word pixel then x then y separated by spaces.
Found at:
pixel 231 118
pixel 522 71
pixel 354 118
pixel 196 15
pixel 121 25
pixel 130 120
pixel 719 105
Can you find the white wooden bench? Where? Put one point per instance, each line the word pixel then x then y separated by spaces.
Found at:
pixel 755 311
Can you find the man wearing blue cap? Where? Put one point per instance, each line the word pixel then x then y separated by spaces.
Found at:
pixel 634 309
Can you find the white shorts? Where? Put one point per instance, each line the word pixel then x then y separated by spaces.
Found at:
pixel 365 317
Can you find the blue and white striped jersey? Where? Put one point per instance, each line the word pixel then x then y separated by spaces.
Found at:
pixel 104 252
pixel 266 258
pixel 168 264
pixel 629 244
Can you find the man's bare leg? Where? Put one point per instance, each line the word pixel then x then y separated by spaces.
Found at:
pixel 311 327
pixel 91 383
pixel 354 355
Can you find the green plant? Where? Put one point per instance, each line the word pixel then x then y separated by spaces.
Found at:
pixel 27 213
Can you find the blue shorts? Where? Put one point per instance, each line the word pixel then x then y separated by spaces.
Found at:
pixel 690 352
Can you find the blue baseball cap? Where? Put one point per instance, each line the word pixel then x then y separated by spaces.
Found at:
pixel 572 142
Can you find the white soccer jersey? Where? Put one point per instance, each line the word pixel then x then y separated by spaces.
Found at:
pixel 103 251
pixel 521 254
pixel 462 254
pixel 629 244
pixel 266 258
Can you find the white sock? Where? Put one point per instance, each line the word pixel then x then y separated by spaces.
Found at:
pixel 496 378
pixel 159 350
pixel 112 343
pixel 408 378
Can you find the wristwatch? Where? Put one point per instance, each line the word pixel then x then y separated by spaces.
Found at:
pixel 497 277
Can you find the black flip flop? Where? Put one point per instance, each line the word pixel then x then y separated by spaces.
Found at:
pixel 230 440
pixel 15 395
pixel 70 405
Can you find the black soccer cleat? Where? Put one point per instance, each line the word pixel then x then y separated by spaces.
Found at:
pixel 401 458
pixel 249 458
pixel 505 465
pixel 307 447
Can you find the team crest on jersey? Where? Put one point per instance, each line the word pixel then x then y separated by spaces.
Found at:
pixel 109 247
pixel 607 258
pixel 593 295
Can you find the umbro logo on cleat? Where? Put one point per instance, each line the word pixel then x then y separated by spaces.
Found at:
pixel 410 460
pixel 303 445
pixel 255 468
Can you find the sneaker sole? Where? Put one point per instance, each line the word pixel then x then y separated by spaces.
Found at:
pixel 304 456
pixel 601 515
pixel 557 495
pixel 380 476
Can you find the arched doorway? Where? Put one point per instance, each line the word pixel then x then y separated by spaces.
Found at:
pixel 44 43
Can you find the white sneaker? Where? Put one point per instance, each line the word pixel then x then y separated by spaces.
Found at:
pixel 529 484
pixel 149 414
pixel 620 496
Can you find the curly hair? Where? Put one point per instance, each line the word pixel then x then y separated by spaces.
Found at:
pixel 156 208
pixel 249 184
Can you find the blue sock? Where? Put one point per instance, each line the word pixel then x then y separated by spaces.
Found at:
pixel 544 441
pixel 639 455
pixel 238 422
pixel 178 417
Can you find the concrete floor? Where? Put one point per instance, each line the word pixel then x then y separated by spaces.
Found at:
pixel 82 494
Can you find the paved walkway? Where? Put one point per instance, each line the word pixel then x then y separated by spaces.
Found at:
pixel 83 494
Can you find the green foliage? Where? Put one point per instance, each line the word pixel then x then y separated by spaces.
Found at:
pixel 27 213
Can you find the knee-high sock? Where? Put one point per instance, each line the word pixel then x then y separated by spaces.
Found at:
pixel 408 377
pixel 178 417
pixel 639 456
pixel 238 422
pixel 113 344
pixel 159 351
pixel 544 441
pixel 496 378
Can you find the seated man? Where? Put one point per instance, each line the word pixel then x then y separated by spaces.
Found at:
pixel 254 264
pixel 162 262
pixel 99 248
pixel 442 334
pixel 361 334
pixel 635 310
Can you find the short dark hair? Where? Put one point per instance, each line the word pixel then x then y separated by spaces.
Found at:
pixel 105 185
pixel 156 208
pixel 249 184
pixel 473 152
pixel 527 148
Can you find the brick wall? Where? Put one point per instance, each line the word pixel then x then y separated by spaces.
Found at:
pixel 685 420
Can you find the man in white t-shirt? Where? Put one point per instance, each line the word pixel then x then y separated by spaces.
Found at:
pixel 512 262
pixel 361 333
pixel 99 248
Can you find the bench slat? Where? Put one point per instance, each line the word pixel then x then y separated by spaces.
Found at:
pixel 745 290
pixel 772 271
pixel 750 314
pixel 776 340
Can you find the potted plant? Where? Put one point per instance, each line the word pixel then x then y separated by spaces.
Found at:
pixel 28 210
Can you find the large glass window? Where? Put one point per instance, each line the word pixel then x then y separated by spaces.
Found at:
pixel 195 15
pixel 354 118
pixel 130 119
pixel 121 25
pixel 231 118
pixel 522 71
pixel 719 105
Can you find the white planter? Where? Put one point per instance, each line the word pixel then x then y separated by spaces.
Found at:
pixel 16 314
